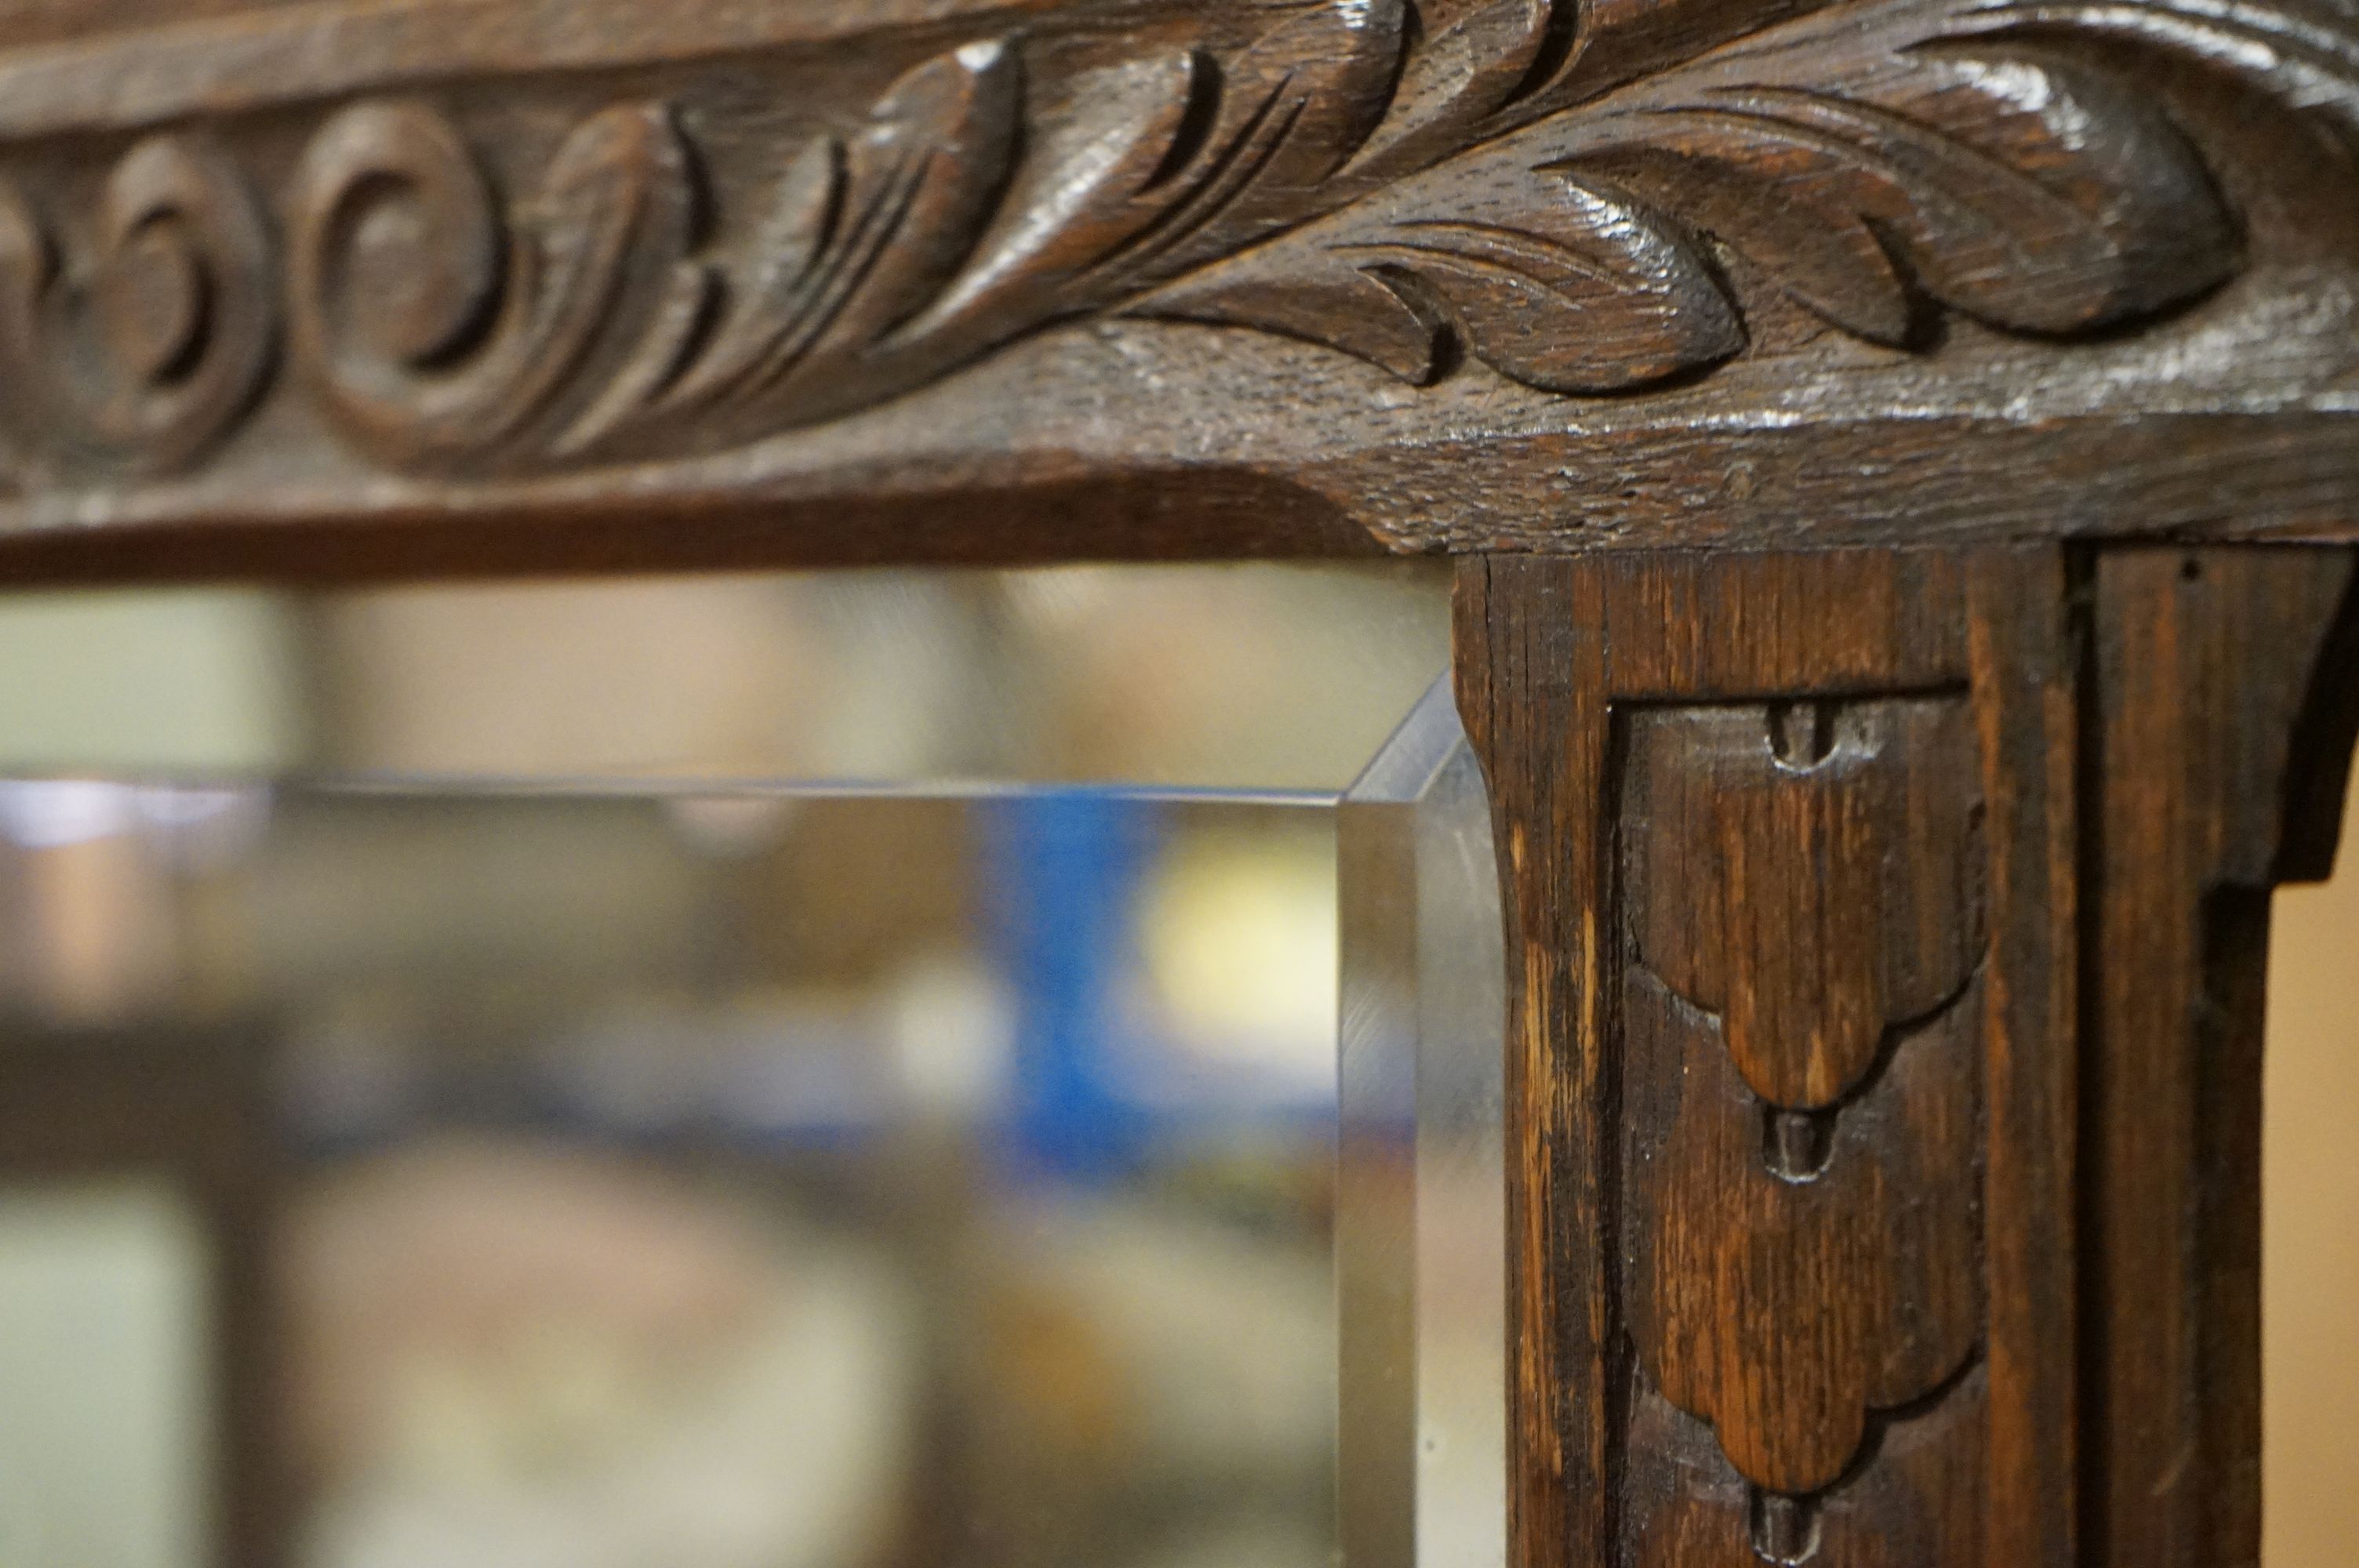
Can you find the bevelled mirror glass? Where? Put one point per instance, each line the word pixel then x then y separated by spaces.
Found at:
pixel 981 1070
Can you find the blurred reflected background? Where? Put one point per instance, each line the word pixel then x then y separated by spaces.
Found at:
pixel 834 1072
pixel 829 1072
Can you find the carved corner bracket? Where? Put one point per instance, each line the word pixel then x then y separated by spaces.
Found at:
pixel 1588 199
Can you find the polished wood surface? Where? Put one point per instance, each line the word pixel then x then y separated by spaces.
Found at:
pixel 1846 947
pixel 1872 431
pixel 1792 968
pixel 2226 695
pixel 1459 275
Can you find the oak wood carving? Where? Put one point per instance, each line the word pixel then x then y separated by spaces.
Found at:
pixel 1885 938
pixel 1793 972
pixel 444 263
pixel 1871 431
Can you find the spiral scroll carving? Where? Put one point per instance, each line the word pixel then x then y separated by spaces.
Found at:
pixel 1598 202
pixel 139 354
pixel 435 328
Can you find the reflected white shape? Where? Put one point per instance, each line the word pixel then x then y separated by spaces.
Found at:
pixel 51 814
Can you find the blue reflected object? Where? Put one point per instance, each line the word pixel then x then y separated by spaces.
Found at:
pixel 1061 873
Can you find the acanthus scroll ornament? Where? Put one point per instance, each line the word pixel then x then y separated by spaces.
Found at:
pixel 1588 201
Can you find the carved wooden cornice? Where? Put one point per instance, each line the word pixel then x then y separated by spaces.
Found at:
pixel 445 254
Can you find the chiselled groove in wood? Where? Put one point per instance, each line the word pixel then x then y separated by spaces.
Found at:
pixel 1809 898
pixel 1802 873
pixel 1799 901
pixel 1795 1144
pixel 1787 1316
pixel 1409 187
pixel 1907 1505
pixel 1785 1530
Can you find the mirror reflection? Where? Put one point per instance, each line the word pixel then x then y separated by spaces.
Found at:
pixel 768 1072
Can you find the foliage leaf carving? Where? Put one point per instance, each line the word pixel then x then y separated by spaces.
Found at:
pixel 2028 190
pixel 2020 187
pixel 436 330
pixel 1559 285
pixel 861 236
pixel 1591 208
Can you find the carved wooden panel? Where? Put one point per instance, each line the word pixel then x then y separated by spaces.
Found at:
pixel 1801 1095
pixel 1793 1053
pixel 427 257
pixel 667 274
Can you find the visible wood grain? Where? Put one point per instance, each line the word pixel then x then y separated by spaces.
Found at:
pixel 1691 1510
pixel 1528 675
pixel 1759 1133
pixel 1810 872
pixel 2026 671
pixel 1474 274
pixel 1769 361
pixel 2226 683
pixel 1801 1094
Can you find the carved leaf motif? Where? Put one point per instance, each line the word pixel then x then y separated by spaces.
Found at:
pixel 1556 284
pixel 1587 210
pixel 2290 55
pixel 1174 158
pixel 863 288
pixel 2031 192
pixel 1291 109
pixel 148 357
pixel 1097 180
pixel 774 315
pixel 2034 193
pixel 922 178
pixel 1472 67
pixel 861 237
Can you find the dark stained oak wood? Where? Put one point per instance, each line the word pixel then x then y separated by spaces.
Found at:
pixel 1455 274
pixel 1800 1096
pixel 1791 950
pixel 1826 875
pixel 2227 682
pixel 1858 421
